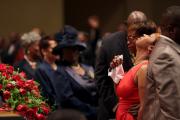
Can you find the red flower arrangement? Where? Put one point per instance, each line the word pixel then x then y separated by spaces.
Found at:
pixel 21 95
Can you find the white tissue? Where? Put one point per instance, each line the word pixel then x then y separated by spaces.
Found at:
pixel 117 73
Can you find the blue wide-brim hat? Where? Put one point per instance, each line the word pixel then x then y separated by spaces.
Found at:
pixel 69 40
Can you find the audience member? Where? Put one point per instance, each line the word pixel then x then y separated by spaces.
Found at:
pixel 115 44
pixel 86 56
pixel 32 58
pixel 45 72
pixel 162 95
pixel 14 52
pixel 94 33
pixel 77 84
pixel 130 89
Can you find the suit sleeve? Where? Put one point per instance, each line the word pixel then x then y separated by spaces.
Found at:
pixel 46 85
pixel 101 66
pixel 166 74
pixel 104 83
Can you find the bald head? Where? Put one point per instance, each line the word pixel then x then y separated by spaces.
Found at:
pixel 136 17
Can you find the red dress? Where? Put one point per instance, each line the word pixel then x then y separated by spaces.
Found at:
pixel 127 93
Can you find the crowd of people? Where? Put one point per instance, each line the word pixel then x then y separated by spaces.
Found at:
pixel 72 68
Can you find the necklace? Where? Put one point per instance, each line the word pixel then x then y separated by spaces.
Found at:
pixel 78 69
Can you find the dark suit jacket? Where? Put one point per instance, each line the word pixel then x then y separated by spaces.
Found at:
pixel 115 44
pixel 72 95
pixel 45 75
pixel 162 95
pixel 24 66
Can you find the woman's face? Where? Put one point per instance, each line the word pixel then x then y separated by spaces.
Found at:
pixel 146 42
pixel 131 41
pixel 142 42
pixel 71 55
pixel 33 50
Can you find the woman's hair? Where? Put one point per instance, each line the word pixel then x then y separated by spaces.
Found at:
pixel 140 29
pixel 28 38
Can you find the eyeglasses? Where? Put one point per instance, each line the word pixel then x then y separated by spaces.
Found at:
pixel 131 37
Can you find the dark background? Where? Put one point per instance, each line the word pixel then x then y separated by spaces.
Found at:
pixel 112 12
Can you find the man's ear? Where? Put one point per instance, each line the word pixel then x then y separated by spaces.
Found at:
pixel 150 48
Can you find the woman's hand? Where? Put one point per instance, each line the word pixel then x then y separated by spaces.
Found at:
pixel 117 60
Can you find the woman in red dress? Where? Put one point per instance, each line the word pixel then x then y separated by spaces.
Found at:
pixel 130 89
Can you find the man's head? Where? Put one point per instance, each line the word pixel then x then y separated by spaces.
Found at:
pixel 170 23
pixel 46 47
pixel 94 21
pixel 136 31
pixel 136 17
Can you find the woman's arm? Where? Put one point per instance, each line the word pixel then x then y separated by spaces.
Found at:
pixel 141 79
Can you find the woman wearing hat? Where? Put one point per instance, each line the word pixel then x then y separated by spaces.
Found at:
pixel 77 84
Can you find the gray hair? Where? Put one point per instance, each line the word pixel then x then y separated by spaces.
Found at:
pixel 136 17
pixel 29 38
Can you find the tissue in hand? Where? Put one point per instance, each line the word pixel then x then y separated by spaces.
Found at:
pixel 117 73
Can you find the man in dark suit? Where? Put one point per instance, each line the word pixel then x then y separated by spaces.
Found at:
pixel 162 100
pixel 115 44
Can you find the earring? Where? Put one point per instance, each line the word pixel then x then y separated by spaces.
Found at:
pixel 28 51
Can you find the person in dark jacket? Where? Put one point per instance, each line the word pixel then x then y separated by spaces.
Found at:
pixel 75 81
pixel 114 44
pixel 32 57
pixel 45 72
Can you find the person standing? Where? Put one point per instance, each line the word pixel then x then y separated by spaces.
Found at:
pixel 162 100
pixel 94 37
pixel 114 44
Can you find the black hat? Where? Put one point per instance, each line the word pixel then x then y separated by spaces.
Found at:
pixel 69 40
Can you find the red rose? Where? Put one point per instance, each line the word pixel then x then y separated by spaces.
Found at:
pixel 2 67
pixel 21 107
pixel 10 69
pixel 45 110
pixel 9 86
pixel 30 82
pixel 27 86
pixel 22 91
pixel 2 109
pixel 37 94
pixel 1 86
pixel 35 109
pixel 40 116
pixel 6 75
pixel 30 114
pixel 16 77
pixel 35 88
pixel 20 83
pixel 6 95
pixel 22 74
